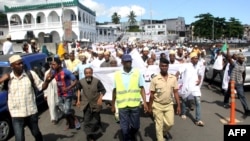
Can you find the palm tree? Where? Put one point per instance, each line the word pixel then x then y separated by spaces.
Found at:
pixel 116 18
pixel 131 18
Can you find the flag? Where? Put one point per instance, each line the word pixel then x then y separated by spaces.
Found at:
pixel 224 47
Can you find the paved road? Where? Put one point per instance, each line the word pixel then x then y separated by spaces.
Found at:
pixel 183 130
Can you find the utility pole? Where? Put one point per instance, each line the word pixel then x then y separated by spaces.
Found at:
pixel 213 30
pixel 151 20
pixel 141 24
pixel 62 18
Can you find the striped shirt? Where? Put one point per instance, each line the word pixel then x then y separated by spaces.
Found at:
pixel 237 70
pixel 21 96
pixel 63 79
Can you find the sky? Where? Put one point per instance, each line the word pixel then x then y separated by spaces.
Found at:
pixel 157 9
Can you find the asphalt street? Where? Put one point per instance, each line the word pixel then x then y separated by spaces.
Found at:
pixel 214 115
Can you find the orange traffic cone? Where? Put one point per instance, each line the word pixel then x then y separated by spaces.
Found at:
pixel 232 110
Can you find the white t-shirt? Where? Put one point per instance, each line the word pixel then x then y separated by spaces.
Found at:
pixel 7 47
pixel 190 78
pixel 96 63
pixel 218 64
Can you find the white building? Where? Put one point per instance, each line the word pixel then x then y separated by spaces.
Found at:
pixel 3 32
pixel 108 32
pixel 159 30
pixel 45 22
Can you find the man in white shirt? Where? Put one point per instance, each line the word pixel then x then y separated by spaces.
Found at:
pixel 118 57
pixel 8 46
pixel 192 77
pixel 96 63
pixel 217 68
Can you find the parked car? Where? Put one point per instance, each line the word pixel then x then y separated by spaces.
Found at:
pixel 209 70
pixel 33 62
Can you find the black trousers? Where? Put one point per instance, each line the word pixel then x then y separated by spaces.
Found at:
pixel 92 121
pixel 215 73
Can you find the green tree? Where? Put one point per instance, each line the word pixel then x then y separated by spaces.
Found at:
pixel 234 28
pixel 131 18
pixel 203 27
pixel 210 27
pixel 116 18
pixel 218 27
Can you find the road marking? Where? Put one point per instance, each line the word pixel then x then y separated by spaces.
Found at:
pixel 226 120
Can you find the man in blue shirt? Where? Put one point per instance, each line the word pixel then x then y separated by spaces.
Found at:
pixel 127 94
pixel 80 67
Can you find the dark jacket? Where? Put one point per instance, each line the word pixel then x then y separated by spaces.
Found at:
pixel 91 93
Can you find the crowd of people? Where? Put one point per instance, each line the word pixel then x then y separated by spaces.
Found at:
pixel 69 80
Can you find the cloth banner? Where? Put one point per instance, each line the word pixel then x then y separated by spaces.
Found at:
pixel 106 76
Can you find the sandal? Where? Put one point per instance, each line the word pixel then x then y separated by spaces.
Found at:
pixel 199 123
pixel 54 122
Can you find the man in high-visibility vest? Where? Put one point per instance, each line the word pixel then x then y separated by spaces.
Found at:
pixel 127 93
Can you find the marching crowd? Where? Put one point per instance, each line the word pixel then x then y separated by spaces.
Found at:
pixel 69 81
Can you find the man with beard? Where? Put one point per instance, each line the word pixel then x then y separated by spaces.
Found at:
pixel 162 87
pixel 145 53
pixel 180 55
pixel 33 47
pixel 93 91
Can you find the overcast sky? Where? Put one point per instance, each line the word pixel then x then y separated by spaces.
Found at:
pixel 157 9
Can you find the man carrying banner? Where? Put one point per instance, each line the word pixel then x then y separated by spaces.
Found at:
pixel 128 92
pixel 162 87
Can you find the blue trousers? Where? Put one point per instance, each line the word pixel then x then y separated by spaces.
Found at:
pixel 240 92
pixel 32 122
pixel 129 122
pixel 197 100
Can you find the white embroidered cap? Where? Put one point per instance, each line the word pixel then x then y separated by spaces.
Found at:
pixel 14 58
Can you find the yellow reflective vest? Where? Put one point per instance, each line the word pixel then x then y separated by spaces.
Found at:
pixel 130 97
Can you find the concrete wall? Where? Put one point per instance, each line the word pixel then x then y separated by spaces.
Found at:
pixel 52 47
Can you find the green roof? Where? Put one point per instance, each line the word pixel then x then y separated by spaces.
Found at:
pixel 48 6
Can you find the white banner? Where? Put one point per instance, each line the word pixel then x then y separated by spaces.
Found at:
pixel 106 76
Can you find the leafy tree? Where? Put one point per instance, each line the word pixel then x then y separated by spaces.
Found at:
pixel 219 27
pixel 116 18
pixel 210 27
pixel 203 26
pixel 131 18
pixel 234 28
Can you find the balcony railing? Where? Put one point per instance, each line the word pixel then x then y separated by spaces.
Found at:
pixel 38 26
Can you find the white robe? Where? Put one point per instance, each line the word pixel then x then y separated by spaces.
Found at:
pixel 52 98
pixel 226 78
pixel 190 78
pixel 96 63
